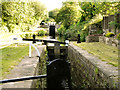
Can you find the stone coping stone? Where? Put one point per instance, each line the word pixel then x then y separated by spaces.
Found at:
pixel 103 66
pixel 27 67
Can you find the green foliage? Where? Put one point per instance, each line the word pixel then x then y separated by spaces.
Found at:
pixel 96 70
pixel 10 27
pixel 105 8
pixel 68 14
pixel 118 36
pixel 71 33
pixel 26 35
pixel 22 35
pixel 88 10
pixel 109 34
pixel 109 8
pixel 51 20
pixel 53 13
pixel 41 32
pixel 83 35
pixel 22 15
pixel 117 25
pixel 112 23
pixel 61 30
pixel 39 9
pixel 78 17
pixel 99 32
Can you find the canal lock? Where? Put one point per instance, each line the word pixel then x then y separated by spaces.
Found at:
pixel 57 68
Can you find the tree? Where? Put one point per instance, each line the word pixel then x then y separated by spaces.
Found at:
pixel 68 14
pixel 39 9
pixel 22 14
pixel 107 8
pixel 53 13
pixel 88 10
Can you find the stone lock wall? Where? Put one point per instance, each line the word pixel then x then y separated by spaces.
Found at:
pixel 41 83
pixel 89 71
pixel 91 38
pixel 110 41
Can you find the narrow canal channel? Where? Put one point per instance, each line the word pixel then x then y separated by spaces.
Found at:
pixel 58 67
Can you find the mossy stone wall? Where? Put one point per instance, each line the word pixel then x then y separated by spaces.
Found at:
pixel 89 71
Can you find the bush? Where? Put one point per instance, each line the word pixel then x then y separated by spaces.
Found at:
pixel 61 30
pixel 118 36
pixel 83 35
pixel 22 35
pixel 99 32
pixel 26 35
pixel 109 34
pixel 41 33
pixel 30 34
pixel 70 34
pixel 11 27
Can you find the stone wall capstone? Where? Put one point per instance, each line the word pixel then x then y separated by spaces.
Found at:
pixel 109 41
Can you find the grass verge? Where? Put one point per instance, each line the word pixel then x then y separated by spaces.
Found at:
pixel 104 52
pixel 11 56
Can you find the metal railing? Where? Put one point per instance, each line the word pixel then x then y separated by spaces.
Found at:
pixel 46 41
pixel 23 79
pixel 30 51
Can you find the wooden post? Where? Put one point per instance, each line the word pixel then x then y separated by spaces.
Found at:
pixel 34 38
pixel 52 31
pixel 30 50
pixel 78 40
pixel 118 21
pixel 57 50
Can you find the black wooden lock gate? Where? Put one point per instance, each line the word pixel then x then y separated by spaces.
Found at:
pixel 58 74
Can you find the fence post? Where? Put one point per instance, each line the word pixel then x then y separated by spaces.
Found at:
pixel 35 49
pixel 52 31
pixel 78 39
pixel 30 50
pixel 57 50
pixel 67 42
pixel 34 38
